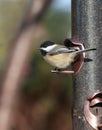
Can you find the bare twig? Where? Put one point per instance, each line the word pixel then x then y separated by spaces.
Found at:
pixel 19 57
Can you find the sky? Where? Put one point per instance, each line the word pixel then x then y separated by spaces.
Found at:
pixel 62 4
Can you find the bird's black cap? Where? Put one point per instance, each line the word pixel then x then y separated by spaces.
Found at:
pixel 46 44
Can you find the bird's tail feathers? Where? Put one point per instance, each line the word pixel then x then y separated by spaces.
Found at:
pixel 85 50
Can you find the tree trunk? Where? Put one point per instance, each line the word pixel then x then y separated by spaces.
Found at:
pixel 87 27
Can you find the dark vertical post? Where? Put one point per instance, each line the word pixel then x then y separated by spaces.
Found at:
pixel 87 27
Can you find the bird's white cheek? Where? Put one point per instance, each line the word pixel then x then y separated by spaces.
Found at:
pixel 49 48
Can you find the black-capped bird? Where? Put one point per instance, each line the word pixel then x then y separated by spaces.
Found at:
pixel 60 56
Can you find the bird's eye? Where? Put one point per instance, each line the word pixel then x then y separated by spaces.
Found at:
pixel 76 49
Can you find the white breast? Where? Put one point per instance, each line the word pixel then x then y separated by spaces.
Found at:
pixel 61 61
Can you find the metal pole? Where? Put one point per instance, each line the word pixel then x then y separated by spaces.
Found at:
pixel 87 27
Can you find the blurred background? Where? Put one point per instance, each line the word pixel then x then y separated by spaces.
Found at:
pixel 44 100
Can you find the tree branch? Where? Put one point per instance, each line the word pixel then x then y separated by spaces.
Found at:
pixel 20 54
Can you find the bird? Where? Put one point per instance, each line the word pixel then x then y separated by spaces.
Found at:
pixel 60 56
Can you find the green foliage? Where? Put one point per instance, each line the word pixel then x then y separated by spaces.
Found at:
pixel 11 15
pixel 58 24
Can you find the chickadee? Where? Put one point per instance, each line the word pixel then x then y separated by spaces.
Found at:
pixel 60 56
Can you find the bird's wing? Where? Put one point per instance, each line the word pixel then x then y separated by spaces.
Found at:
pixel 61 50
